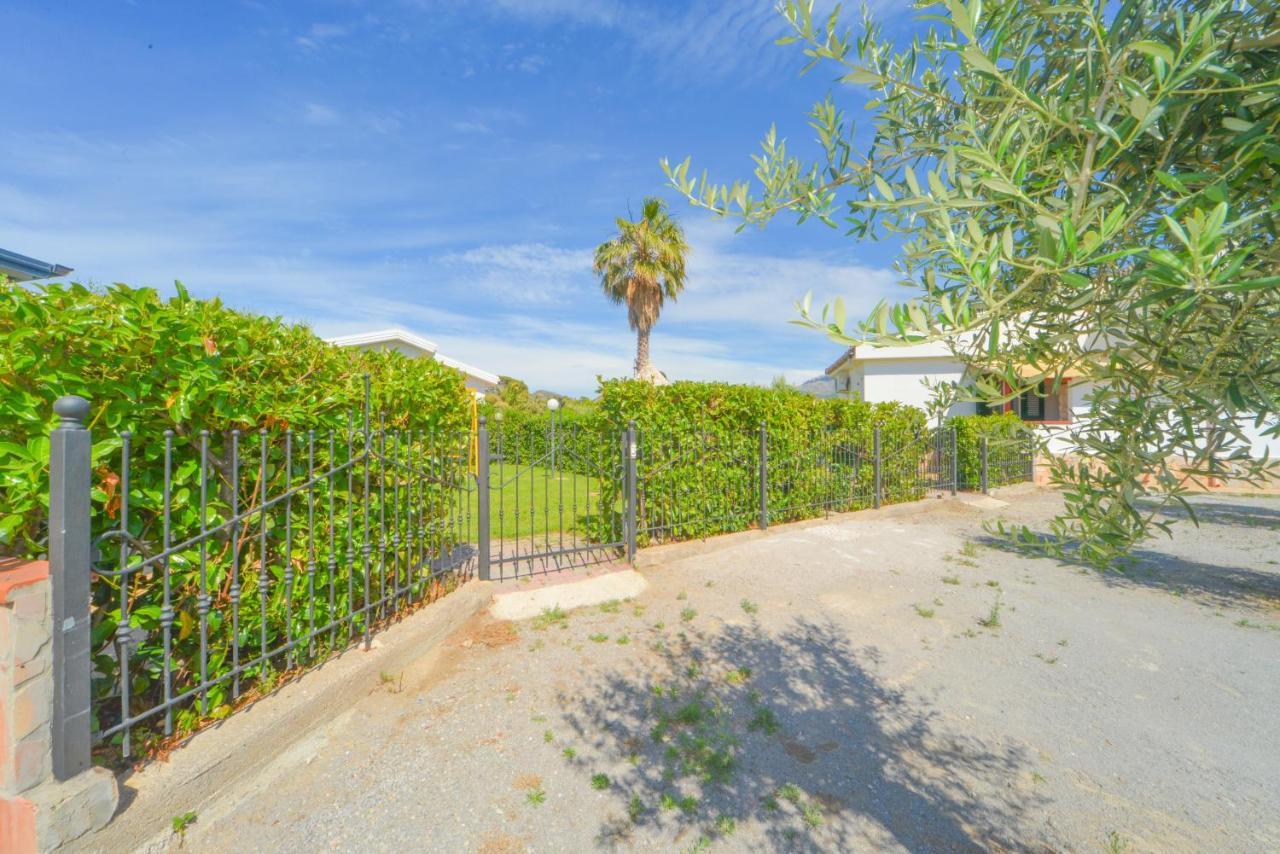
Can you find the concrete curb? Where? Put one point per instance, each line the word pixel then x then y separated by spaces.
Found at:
pixel 224 764
pixel 525 604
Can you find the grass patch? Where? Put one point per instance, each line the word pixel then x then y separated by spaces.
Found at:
pixel 950 579
pixel 569 753
pixel 550 617
pixel 623 640
pixel 725 825
pixel 749 607
pixel 681 596
pixel 535 797
pixel 923 611
pixel 599 782
pixel 738 675
pixel 764 720
pixel 635 808
pixel 611 607
pixel 992 620
pixel 538 492
pixel 548 737
pixel 688 614
pixel 598 637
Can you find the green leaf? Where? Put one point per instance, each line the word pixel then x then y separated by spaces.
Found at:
pixel 1155 49
pixel 974 56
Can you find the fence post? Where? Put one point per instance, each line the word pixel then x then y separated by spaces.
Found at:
pixel 955 462
pixel 482 498
pixel 69 567
pixel 985 490
pixel 1031 458
pixel 875 450
pixel 764 477
pixel 630 450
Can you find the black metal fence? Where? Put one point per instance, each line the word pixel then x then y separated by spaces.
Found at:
pixel 221 563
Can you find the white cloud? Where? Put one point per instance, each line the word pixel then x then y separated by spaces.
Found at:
pixel 319 34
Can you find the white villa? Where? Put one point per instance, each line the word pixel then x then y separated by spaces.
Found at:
pixel 417 347
pixel 903 374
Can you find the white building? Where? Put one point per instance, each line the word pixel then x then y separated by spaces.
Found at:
pixel 417 347
pixel 905 374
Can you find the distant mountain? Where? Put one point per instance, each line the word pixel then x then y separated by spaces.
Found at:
pixel 819 386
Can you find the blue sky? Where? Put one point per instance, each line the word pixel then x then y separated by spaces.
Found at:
pixel 443 167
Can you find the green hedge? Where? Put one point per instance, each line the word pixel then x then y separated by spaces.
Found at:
pixel 699 451
pixel 1008 447
pixel 149 364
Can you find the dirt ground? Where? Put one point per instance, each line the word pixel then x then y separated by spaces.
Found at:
pixel 875 682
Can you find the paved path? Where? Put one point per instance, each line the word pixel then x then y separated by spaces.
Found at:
pixel 876 683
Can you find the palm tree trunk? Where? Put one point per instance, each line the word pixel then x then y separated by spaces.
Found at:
pixel 642 349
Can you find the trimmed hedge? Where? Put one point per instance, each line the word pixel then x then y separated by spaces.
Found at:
pixel 699 451
pixel 149 365
pixel 1008 448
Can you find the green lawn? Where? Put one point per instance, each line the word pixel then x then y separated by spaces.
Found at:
pixel 544 500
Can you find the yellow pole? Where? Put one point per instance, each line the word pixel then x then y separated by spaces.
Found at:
pixel 473 450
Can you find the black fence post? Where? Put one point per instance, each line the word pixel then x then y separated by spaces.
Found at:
pixel 69 570
pixel 630 451
pixel 985 488
pixel 875 450
pixel 1031 458
pixel 482 499
pixel 764 477
pixel 955 461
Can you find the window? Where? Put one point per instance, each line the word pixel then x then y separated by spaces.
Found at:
pixel 1043 403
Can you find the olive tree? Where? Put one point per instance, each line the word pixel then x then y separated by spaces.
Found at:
pixel 1081 190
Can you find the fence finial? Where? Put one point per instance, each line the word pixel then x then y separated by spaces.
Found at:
pixel 73 410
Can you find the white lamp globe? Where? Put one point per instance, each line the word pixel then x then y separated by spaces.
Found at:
pixel 553 404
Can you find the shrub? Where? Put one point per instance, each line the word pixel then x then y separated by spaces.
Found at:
pixel 699 450
pixel 150 365
pixel 1008 447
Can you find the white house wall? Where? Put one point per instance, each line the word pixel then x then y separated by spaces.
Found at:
pixel 904 380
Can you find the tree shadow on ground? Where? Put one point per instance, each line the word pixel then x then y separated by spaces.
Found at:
pixel 1208 511
pixel 1214 585
pixel 793 736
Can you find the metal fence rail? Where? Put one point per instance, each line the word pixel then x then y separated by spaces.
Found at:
pixel 223 562
pixel 555 496
pixel 255 555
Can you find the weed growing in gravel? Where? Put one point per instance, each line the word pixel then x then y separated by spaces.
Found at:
pixel 770 803
pixel 688 614
pixel 992 620
pixel 701 845
pixel 991 582
pixel 812 814
pixel 711 584
pixel 950 579
pixel 1116 844
pixel 764 720
pixel 569 753
pixel 536 645
pixel 681 596
pixel 659 626
pixel 548 737
pixel 623 640
pixel 1047 659
pixel 535 797
pixel 749 607
pixel 738 675
pixel 598 637
pixel 550 617
pixel 1062 642
pixel 1037 777
pixel 181 822
pixel 599 782
pixel 969 633
pixel 667 802
pixel 610 607
pixel 969 549
pixel 688 804
pixel 923 611
pixel 638 610
pixel 791 792
pixel 635 808
pixel 539 719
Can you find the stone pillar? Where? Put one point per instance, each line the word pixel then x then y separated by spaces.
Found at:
pixel 37 812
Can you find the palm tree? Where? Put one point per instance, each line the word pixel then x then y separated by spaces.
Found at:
pixel 643 266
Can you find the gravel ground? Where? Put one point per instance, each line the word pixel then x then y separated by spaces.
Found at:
pixel 876 682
